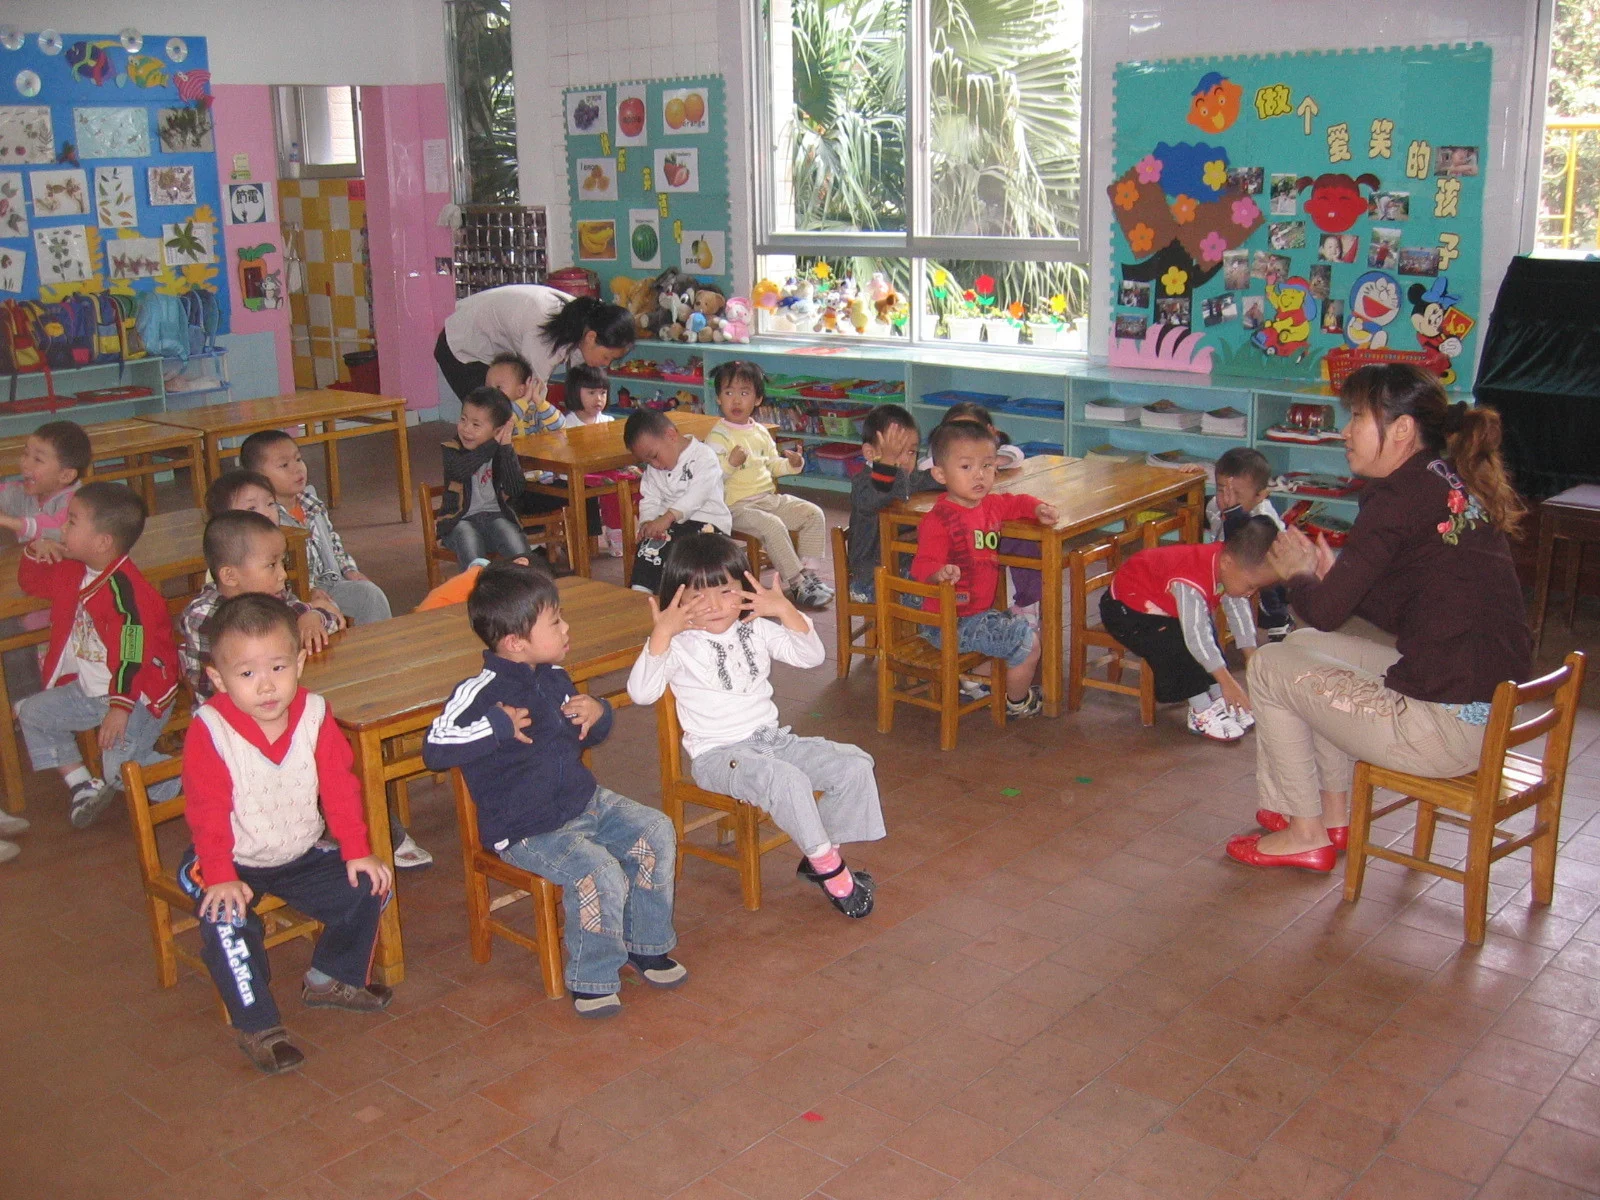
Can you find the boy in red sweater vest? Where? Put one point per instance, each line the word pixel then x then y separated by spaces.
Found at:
pixel 958 541
pixel 255 762
pixel 111 663
pixel 1160 605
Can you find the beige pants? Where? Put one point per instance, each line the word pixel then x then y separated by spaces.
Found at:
pixel 770 516
pixel 1320 704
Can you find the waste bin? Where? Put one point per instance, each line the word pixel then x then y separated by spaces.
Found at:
pixel 363 368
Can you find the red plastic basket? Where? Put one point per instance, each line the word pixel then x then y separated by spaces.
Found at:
pixel 1343 360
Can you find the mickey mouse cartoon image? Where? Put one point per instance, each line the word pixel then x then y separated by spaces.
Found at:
pixel 1428 309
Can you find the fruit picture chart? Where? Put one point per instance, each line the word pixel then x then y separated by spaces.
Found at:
pixel 647 169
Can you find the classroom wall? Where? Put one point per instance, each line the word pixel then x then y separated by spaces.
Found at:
pixel 1130 30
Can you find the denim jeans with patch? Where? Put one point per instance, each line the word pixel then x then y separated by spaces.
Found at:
pixel 615 862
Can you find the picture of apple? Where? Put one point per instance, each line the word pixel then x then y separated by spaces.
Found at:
pixel 630 117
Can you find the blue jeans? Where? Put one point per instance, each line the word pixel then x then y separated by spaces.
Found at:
pixel 991 633
pixel 483 534
pixel 615 861
pixel 51 717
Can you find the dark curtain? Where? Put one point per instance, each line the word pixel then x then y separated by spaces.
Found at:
pixel 1541 370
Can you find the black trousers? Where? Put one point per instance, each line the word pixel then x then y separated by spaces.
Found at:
pixel 651 557
pixel 463 377
pixel 1159 641
pixel 315 884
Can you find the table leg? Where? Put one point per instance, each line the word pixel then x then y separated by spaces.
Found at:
pixel 331 449
pixel 1574 567
pixel 388 959
pixel 1050 619
pixel 213 456
pixel 578 516
pixel 402 450
pixel 1541 575
pixel 197 476
pixel 10 752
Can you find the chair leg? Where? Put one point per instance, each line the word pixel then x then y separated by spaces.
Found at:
pixel 1544 850
pixel 160 913
pixel 1147 695
pixel 842 638
pixel 1422 837
pixel 478 936
pixel 885 695
pixel 1355 859
pixel 1480 841
pixel 949 713
pixel 749 836
pixel 402 800
pixel 548 923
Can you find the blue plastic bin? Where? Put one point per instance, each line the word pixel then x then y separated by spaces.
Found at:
pixel 949 399
pixel 1035 406
pixel 1034 449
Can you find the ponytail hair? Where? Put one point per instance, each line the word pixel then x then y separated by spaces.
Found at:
pixel 1467 435
pixel 611 324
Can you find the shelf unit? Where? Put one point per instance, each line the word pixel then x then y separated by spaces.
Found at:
pixel 209 370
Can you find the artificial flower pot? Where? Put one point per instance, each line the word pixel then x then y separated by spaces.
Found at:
pixel 964 329
pixel 1002 333
pixel 1047 337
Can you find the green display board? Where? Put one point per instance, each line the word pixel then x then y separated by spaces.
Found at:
pixel 648 169
pixel 1269 210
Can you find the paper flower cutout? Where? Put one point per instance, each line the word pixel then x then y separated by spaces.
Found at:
pixel 1212 246
pixel 1175 280
pixel 1183 209
pixel 1148 169
pixel 1141 238
pixel 1127 194
pixel 822 271
pixel 1245 211
pixel 1058 304
pixel 941 278
pixel 1215 175
pixel 983 285
pixel 1016 310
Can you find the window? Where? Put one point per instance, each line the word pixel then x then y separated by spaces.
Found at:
pixel 1569 200
pixel 319 131
pixel 918 140
pixel 483 101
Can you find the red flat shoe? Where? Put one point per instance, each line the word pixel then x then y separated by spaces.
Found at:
pixel 1273 822
pixel 1247 849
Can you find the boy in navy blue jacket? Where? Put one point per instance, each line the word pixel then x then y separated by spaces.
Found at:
pixel 516 730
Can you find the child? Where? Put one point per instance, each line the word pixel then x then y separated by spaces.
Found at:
pixel 1242 475
pixel 681 492
pixel 1160 606
pixel 244 552
pixel 251 491
pixel 710 649
pixel 263 764
pixel 1007 455
pixel 276 455
pixel 517 731
pixel 751 466
pixel 959 541
pixel 111 661
pixel 530 411
pixel 588 393
pixel 54 458
pixel 482 478
pixel 889 440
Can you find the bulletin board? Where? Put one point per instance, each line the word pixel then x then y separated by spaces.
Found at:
pixel 1270 209
pixel 647 165
pixel 108 167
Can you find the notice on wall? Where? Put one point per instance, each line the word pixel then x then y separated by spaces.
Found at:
pixel 435 165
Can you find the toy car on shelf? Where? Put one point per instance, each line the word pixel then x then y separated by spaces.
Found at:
pixel 1308 425
pixel 1313 483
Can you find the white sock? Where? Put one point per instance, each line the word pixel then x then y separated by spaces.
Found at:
pixel 1215 691
pixel 1201 702
pixel 78 776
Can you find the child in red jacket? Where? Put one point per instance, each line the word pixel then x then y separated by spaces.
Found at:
pixel 959 542
pixel 112 663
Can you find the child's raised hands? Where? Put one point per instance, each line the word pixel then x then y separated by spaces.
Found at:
pixel 45 550
pixel 763 601
pixel 679 614
pixel 520 721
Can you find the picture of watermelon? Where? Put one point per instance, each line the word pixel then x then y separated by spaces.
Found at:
pixel 645 242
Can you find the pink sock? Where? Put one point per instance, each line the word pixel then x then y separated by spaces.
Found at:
pixel 841 884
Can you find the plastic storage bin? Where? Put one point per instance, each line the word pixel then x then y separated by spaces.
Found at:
pixel 1035 406
pixel 842 420
pixel 788 387
pixel 829 389
pixel 954 396
pixel 842 460
pixel 1034 449
pixel 878 389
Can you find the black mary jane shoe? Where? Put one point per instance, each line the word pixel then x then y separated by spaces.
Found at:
pixel 857 904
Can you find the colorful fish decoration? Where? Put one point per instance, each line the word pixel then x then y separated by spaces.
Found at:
pixel 89 60
pixel 147 72
pixel 192 85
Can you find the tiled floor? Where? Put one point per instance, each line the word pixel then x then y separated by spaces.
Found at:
pixel 1065 991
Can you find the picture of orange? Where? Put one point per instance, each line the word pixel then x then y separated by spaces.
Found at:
pixel 694 108
pixel 675 113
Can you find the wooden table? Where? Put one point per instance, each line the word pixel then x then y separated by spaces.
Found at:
pixel 131 450
pixel 390 679
pixel 1088 494
pixel 1572 517
pixel 585 448
pixel 168 549
pixel 318 414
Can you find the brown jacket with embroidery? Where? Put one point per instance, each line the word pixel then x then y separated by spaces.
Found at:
pixel 1424 564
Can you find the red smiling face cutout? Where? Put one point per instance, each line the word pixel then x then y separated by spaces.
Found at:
pixel 1336 202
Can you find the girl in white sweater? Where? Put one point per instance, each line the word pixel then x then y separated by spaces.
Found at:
pixel 712 646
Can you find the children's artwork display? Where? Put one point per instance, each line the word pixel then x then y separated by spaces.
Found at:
pixel 648 161
pixel 108 171
pixel 1298 215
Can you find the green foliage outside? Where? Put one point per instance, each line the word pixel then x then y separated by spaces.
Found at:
pixel 487 98
pixel 1574 93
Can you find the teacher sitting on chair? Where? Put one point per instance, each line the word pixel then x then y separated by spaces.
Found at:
pixel 545 327
pixel 1411 627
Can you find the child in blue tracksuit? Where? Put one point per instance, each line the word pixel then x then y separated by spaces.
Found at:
pixel 516 730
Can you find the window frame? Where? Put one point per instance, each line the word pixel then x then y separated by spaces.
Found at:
pixel 290 117
pixel 916 243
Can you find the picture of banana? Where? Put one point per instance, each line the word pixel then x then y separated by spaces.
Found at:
pixel 597 240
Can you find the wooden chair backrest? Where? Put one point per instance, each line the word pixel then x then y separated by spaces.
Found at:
pixel 146 816
pixel 1562 688
pixel 669 737
pixel 891 610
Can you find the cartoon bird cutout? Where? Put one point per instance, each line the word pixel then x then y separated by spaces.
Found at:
pixel 1214 104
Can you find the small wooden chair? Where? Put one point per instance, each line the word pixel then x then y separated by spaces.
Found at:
pixel 482 866
pixel 542 529
pixel 852 640
pixel 161 891
pixel 1504 784
pixel 1109 549
pixel 932 674
pixel 730 816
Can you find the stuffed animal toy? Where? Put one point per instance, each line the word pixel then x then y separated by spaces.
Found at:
pixel 736 320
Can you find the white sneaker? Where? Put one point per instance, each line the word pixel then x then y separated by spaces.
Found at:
pixel 810 592
pixel 408 855
pixel 612 540
pixel 1244 719
pixel 8 851
pixel 1216 723
pixel 971 689
pixel 10 825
